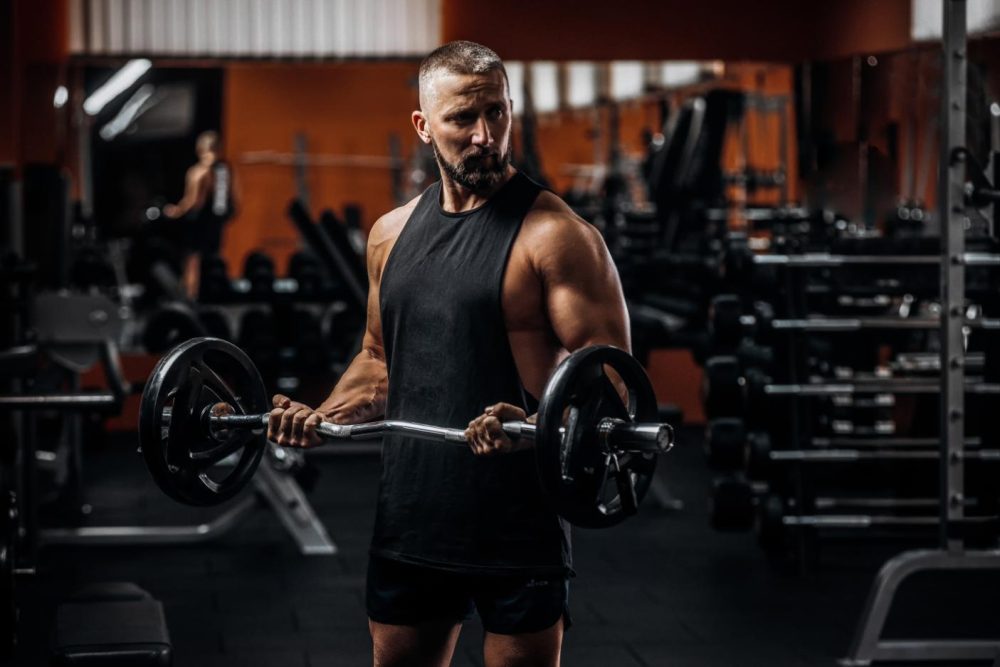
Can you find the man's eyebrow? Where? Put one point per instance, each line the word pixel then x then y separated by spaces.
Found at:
pixel 457 110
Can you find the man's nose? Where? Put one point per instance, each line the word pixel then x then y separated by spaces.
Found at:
pixel 481 135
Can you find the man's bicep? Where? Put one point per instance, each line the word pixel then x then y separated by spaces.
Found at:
pixel 584 296
pixel 195 190
pixel 372 341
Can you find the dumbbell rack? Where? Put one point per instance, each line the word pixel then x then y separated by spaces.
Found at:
pixel 867 644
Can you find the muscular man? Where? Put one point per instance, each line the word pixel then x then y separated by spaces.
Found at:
pixel 478 288
pixel 206 206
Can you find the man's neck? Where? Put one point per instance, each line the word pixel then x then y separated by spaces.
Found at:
pixel 456 198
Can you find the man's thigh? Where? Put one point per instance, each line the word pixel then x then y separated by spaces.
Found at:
pixel 403 594
pixel 431 643
pixel 521 605
pixel 415 614
pixel 524 618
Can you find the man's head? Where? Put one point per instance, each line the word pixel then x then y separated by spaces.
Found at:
pixel 207 142
pixel 465 113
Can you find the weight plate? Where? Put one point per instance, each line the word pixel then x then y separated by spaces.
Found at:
pixel 192 463
pixel 169 325
pixel 589 485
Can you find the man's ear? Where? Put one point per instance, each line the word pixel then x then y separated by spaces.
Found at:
pixel 419 121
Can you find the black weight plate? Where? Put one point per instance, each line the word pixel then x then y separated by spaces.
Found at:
pixel 180 451
pixel 579 477
pixel 169 325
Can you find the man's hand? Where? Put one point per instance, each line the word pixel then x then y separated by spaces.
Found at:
pixel 293 424
pixel 171 211
pixel 485 433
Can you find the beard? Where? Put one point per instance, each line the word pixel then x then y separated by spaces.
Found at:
pixel 479 171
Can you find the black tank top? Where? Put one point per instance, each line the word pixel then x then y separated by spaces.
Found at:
pixel 218 206
pixel 448 357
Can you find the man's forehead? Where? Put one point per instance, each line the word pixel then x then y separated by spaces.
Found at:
pixel 450 84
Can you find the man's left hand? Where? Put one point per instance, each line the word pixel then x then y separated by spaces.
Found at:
pixel 485 433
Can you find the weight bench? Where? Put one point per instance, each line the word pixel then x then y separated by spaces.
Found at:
pixel 111 625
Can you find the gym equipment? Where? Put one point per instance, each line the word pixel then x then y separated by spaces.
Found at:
pixel 307 272
pixel 8 572
pixel 259 338
pixel 214 285
pixel 725 439
pixel 737 504
pixel 731 504
pixel 113 623
pixel 258 270
pixel 819 260
pixel 731 392
pixel 868 645
pixel 170 324
pixel 184 431
pixel 111 401
pixel 338 262
pixel 759 455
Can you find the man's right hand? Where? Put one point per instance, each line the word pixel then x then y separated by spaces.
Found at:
pixel 293 424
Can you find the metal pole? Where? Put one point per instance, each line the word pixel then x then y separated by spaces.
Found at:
pixel 953 221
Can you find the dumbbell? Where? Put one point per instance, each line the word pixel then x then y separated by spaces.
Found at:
pixel 258 270
pixel 214 284
pixel 729 323
pixel 258 337
pixel 305 269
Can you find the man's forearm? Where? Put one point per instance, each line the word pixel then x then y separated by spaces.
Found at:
pixel 361 392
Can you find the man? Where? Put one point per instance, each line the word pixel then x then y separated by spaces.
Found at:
pixel 478 288
pixel 207 205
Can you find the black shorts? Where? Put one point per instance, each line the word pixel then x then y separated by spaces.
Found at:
pixel 404 594
pixel 203 236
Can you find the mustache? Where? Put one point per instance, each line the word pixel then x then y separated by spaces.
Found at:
pixel 481 153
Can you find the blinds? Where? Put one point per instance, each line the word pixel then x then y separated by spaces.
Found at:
pixel 982 16
pixel 255 28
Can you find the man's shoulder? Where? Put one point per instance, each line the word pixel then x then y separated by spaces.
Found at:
pixel 198 172
pixel 550 219
pixel 388 227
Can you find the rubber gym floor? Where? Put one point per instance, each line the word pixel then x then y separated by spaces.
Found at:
pixel 661 589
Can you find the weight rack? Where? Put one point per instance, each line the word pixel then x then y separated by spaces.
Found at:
pixel 867 644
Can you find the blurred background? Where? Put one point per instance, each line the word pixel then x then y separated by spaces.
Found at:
pixel 768 178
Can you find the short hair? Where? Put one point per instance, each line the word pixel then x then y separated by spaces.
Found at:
pixel 207 141
pixel 460 57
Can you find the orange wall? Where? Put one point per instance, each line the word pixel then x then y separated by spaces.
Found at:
pixel 779 30
pixel 343 109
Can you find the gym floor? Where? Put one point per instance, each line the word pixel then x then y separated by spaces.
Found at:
pixel 660 589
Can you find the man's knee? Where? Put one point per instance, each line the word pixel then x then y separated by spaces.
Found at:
pixel 429 644
pixel 529 649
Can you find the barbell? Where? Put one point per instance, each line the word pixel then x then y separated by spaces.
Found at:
pixel 595 452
